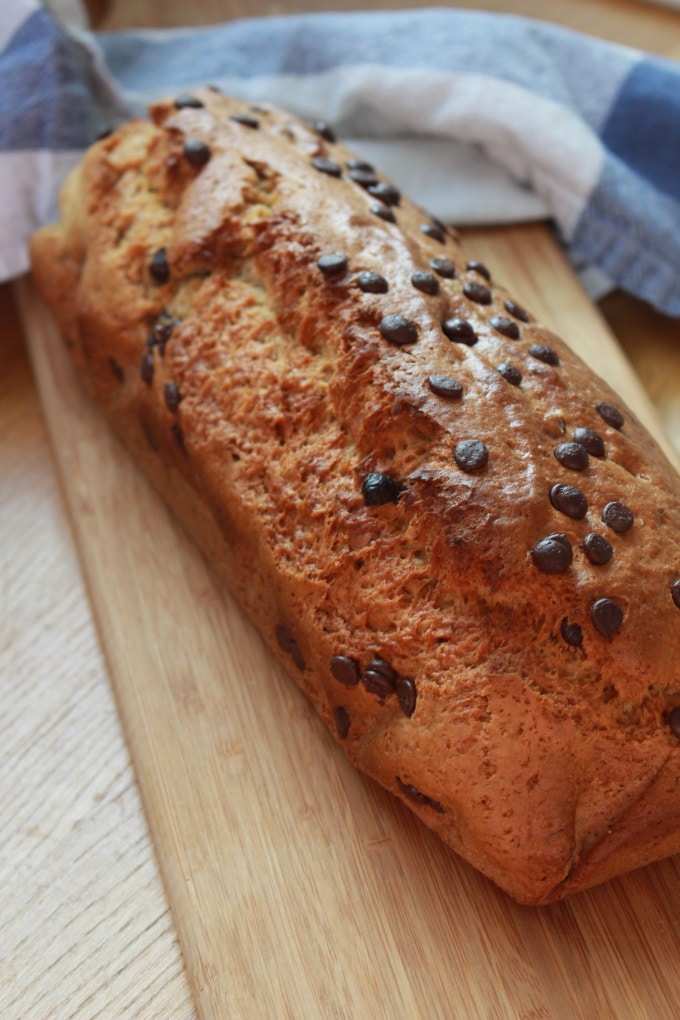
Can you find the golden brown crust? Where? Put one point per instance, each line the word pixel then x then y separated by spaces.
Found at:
pixel 309 444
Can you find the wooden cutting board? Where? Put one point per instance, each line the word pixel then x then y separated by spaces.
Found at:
pixel 298 887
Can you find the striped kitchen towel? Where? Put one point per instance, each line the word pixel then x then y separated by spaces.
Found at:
pixel 480 117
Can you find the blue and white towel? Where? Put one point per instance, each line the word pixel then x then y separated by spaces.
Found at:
pixel 480 117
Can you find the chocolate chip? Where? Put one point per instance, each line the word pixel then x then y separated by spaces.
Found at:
pixel 510 373
pixel 471 455
pixel 406 695
pixel 516 310
pixel 161 332
pixel 611 415
pixel 553 554
pixel 158 267
pixel 364 178
pixel 379 488
pixel 196 152
pixel 591 440
pixel 460 331
pixel 288 643
pixel 332 264
pixel 324 130
pixel 436 233
pixel 412 793
pixel 675 592
pixel 398 330
pixel 172 396
pixel 597 549
pixel 372 283
pixel 570 501
pixel 117 371
pixel 327 166
pixel 186 101
pixel 478 267
pixel 607 616
pixel 146 367
pixel 673 720
pixel 360 164
pixel 572 633
pixel 445 386
pixel 443 267
pixel 505 326
pixel 618 517
pixel 544 353
pixel 246 119
pixel 345 670
pixel 387 193
pixel 342 723
pixel 379 678
pixel 426 282
pixel 477 292
pixel 384 212
pixel 572 456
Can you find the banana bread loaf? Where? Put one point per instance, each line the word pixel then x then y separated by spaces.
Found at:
pixel 457 540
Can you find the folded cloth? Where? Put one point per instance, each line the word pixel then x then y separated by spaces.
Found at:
pixel 480 117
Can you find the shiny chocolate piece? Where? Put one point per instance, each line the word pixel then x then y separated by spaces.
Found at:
pixel 379 678
pixel 146 368
pixel 572 633
pixel 505 326
pixel 611 415
pixel 172 397
pixel 345 670
pixel 516 310
pixel 425 282
pixel 477 292
pixel 618 517
pixel 478 267
pixel 327 166
pixel 246 119
pixel 436 233
pixel 186 101
pixel 572 456
pixel 324 130
pixel 364 178
pixel 398 330
pixel 372 283
pixel 510 373
pixel 591 440
pixel 471 455
pixel 443 267
pixel 570 501
pixel 378 489
pixel 675 592
pixel 553 554
pixel 384 212
pixel 196 152
pixel 445 386
pixel 544 353
pixel 332 264
pixel 158 267
pixel 607 617
pixel 460 331
pixel 387 193
pixel 406 695
pixel 413 794
pixel 597 549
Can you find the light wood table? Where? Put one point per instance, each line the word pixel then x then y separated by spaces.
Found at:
pixel 85 927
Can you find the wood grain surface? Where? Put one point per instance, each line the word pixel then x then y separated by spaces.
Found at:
pixel 299 888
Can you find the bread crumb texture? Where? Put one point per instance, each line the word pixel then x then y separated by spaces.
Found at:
pixel 459 542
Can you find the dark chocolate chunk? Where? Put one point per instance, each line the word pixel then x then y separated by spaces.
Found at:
pixel 345 670
pixel 333 263
pixel 288 643
pixel 384 212
pixel 426 282
pixel 591 440
pixel 342 723
pixel 161 332
pixel 372 283
pixel 553 554
pixel 387 193
pixel 187 101
pixel 675 592
pixel 443 267
pixel 327 166
pixel 673 720
pixel 460 331
pixel 572 633
pixel 406 695
pixel 117 371
pixel 510 373
pixel 572 456
pixel 471 455
pixel 436 233
pixel 516 310
pixel 412 793
pixel 597 549
pixel 618 517
pixel 611 415
pixel 477 292
pixel 360 164
pixel 325 130
pixel 544 353
pixel 158 267
pixel 146 367
pixel 607 616
pixel 505 326
pixel 569 500
pixel 478 267
pixel 379 488
pixel 398 330
pixel 445 386
pixel 196 152
pixel 364 178
pixel 379 678
pixel 172 396
pixel 246 119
